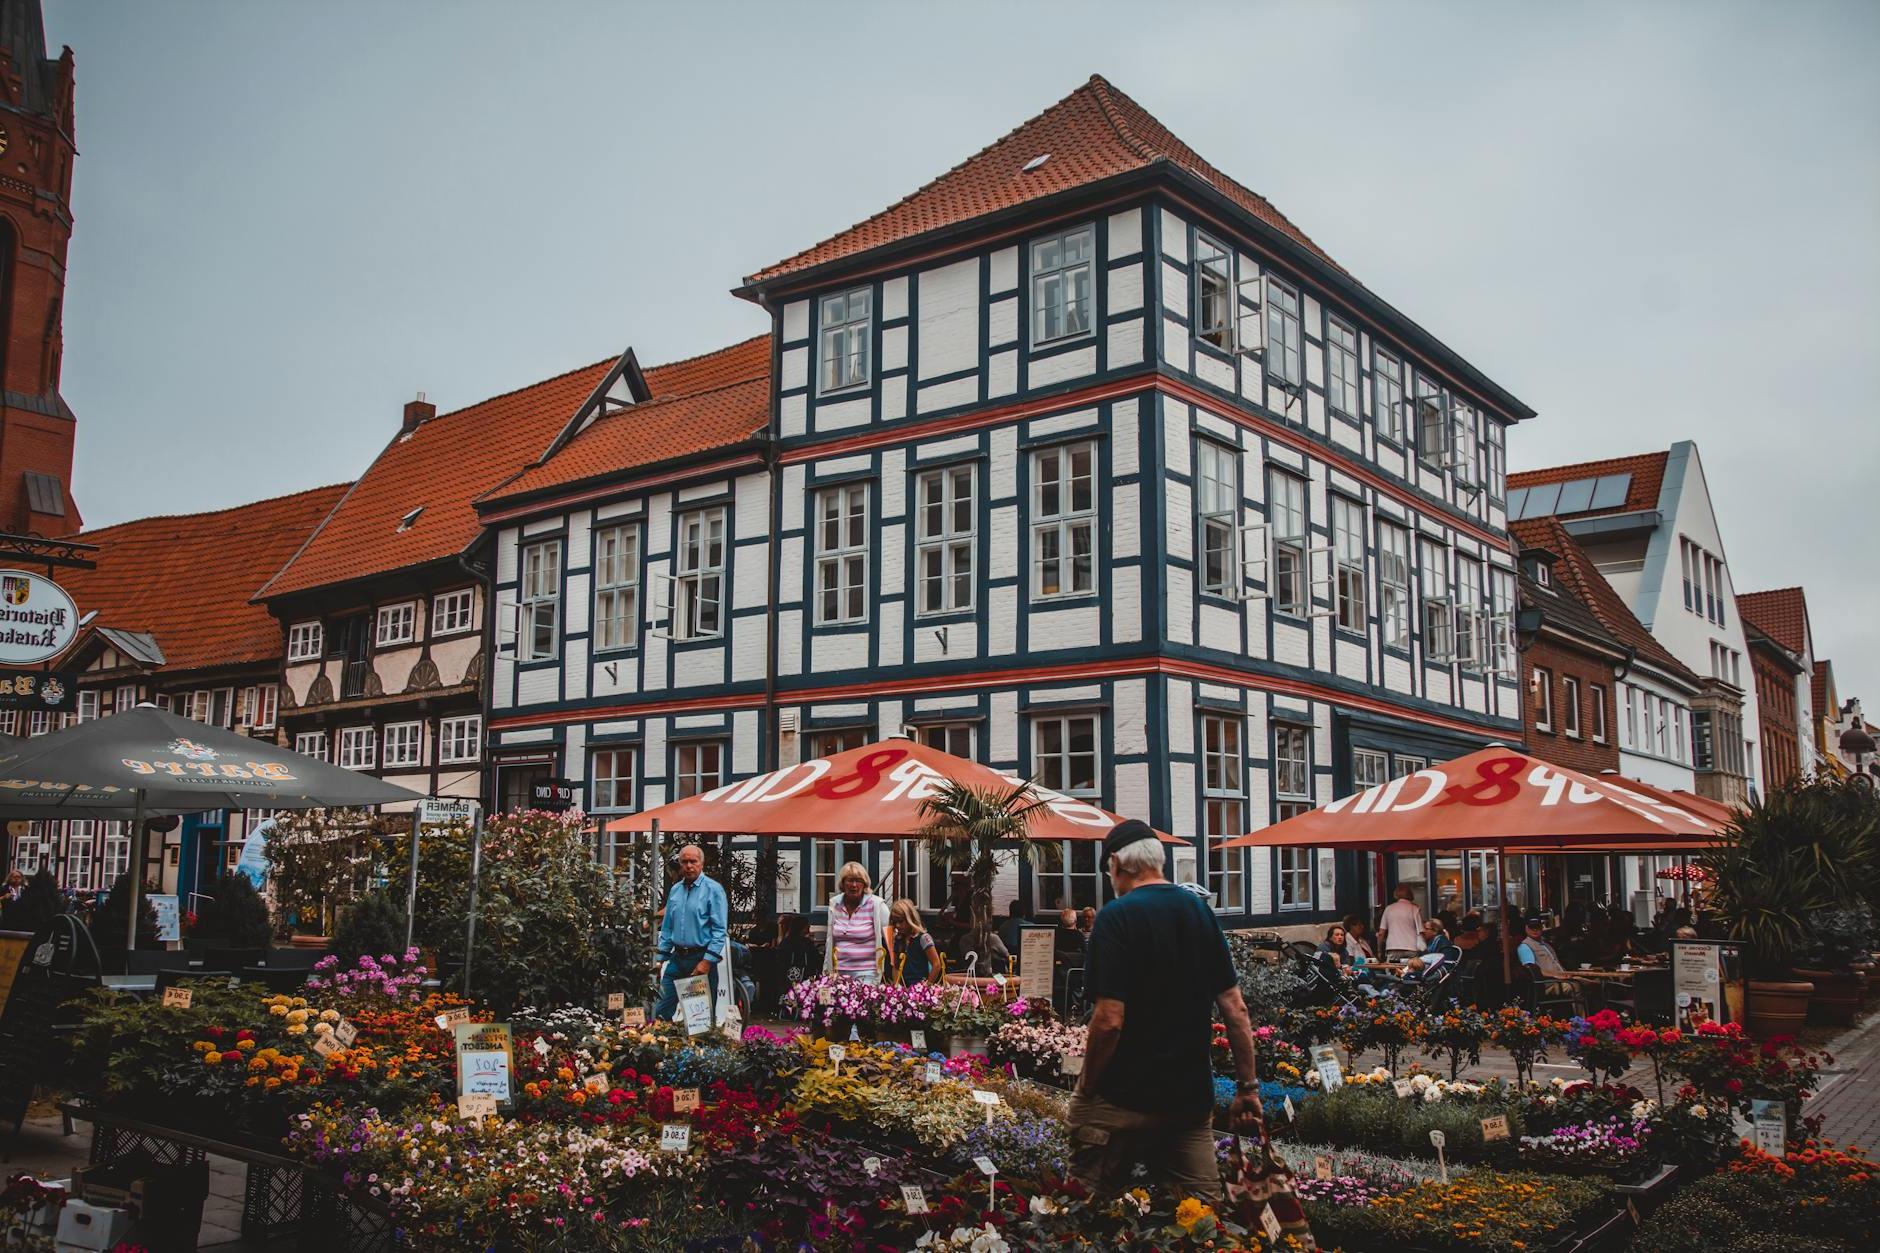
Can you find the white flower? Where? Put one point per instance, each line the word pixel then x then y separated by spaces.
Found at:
pixel 1043 1206
pixel 1433 1095
pixel 1698 1111
pixel 1418 1083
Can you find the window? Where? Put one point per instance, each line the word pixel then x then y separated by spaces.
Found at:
pixel 1217 502
pixel 80 868
pixel 397 624
pixel 1598 694
pixel 458 738
pixel 1439 621
pixel 1570 706
pixel 700 768
pixel 847 331
pixel 40 724
pixel 1341 362
pixel 1282 333
pixel 948 737
pixel 1369 767
pixel 1468 610
pixel 1292 766
pixel 616 587
pixel 303 643
pixel 88 707
pixel 356 748
pixel 611 779
pixel 1387 395
pixel 540 605
pixel 1286 516
pixel 1224 807
pixel 1295 876
pixel 117 854
pixel 1498 633
pixel 1063 530
pixel 125 698
pixel 308 744
pixel 1463 442
pixel 1687 558
pixel 1393 583
pixel 265 707
pixel 1432 423
pixel 1062 279
pixel 1497 458
pixel 945 522
pixel 404 744
pixel 829 856
pixel 1628 729
pixel 842 554
pixel 698 587
pixel 1410 765
pixel 1348 551
pixel 1214 294
pixel 453 612
pixel 1543 699
pixel 1064 759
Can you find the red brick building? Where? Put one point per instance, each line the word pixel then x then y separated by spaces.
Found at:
pixel 1568 657
pixel 1776 671
pixel 36 156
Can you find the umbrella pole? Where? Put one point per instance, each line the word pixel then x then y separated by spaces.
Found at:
pixel 140 845
pixel 411 884
pixel 1507 953
pixel 476 870
pixel 655 880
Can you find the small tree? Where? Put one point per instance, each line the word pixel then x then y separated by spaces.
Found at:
pixel 966 828
pixel 110 922
pixel 321 860
pixel 234 915
pixel 373 924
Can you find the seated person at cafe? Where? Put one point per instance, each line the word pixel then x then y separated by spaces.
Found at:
pixel 1357 941
pixel 1067 942
pixel 1538 958
pixel 1332 948
pixel 1470 934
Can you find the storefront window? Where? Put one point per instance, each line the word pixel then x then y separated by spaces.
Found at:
pixel 1413 869
pixel 1448 883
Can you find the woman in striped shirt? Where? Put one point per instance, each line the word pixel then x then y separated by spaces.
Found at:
pixel 858 928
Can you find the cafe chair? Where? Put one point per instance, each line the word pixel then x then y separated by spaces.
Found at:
pixel 1544 995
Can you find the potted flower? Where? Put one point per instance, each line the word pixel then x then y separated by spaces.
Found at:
pixel 1840 936
pixel 967 1021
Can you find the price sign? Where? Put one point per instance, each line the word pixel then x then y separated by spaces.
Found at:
pixel 836 1053
pixel 326 1045
pixel 1322 1167
pixel 540 1046
pixel 598 1084
pixel 1289 1109
pixel 633 1017
pixel 451 1019
pixel 675 1137
pixel 1770 1121
pixel 684 1100
pixel 1438 1139
pixel 918 1039
pixel 178 998
pixel 913 1198
pixel 933 1072
pixel 1269 1222
pixel 988 1099
pixel 1000 980
pixel 345 1032
pixel 1331 1075
pixel 616 1001
pixel 695 1003
pixel 476 1106
pixel 1402 1088
pixel 1495 1128
pixel 872 1165
pixel 234 983
pixel 1070 1063
pixel 985 1166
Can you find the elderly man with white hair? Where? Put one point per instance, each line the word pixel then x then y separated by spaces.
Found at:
pixel 692 934
pixel 1158 966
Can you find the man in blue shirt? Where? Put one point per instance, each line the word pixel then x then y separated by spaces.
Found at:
pixel 692 934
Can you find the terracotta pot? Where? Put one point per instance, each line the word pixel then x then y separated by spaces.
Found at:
pixel 1777 1008
pixel 1869 971
pixel 1838 995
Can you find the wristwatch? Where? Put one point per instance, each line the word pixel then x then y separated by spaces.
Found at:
pixel 1248 1089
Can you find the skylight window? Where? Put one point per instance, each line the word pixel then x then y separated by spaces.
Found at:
pixel 1034 163
pixel 410 520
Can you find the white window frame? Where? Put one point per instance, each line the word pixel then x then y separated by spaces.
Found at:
pixel 1287 504
pixel 1569 706
pixel 958 738
pixel 408 738
pixel 1292 879
pixel 1387 371
pixel 1079 868
pixel 1393 584
pixel 1464 443
pixel 88 701
pixel 1431 407
pixel 1439 606
pixel 304 641
pixel 1628 726
pixel 1496 454
pixel 396 624
pixel 81 855
pixel 1292 762
pixel 1215 297
pixel 1351 605
pixel 698 766
pixel 1597 693
pixel 453 613
pixel 1217 518
pixel 616 586
pixel 1369 768
pixel 1469 617
pixel 358 748
pixel 117 853
pixel 451 737
pixel 840 590
pixel 1341 367
pixel 1292 790
pixel 1224 806
pixel 846 340
pixel 314 744
pixel 697 607
pixel 944 555
pixel 605 779
pixel 265 710
pixel 124 698
pixel 1284 345
pixel 538 601
pixel 1543 696
pixel 1063 290
pixel 1062 526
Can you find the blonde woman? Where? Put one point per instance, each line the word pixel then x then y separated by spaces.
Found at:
pixel 919 960
pixel 858 927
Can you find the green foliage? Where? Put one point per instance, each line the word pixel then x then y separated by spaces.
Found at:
pixel 1477 1211
pixel 234 915
pixel 320 860
pixel 111 921
pixel 965 828
pixel 1765 1213
pixel 553 926
pixel 1372 1116
pixel 1270 988
pixel 373 924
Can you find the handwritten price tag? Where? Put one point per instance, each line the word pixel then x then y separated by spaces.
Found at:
pixel 326 1045
pixel 918 1039
pixel 1289 1109
pixel 597 1083
pixel 684 1100
pixel 933 1072
pixel 1401 1088
pixel 345 1032
pixel 985 1098
pixel 541 1046
pixel 633 1017
pixel 1000 980
pixel 837 1052
pixel 234 983
pixel 913 1198
pixel 872 1165
pixel 985 1166
pixel 825 997
pixel 616 1001
pixel 1495 1128
pixel 1070 1063
pixel 178 998
pixel 675 1137
pixel 476 1106
pixel 1269 1222
pixel 1322 1167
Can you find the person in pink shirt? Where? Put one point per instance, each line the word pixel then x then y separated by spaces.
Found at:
pixel 1402 927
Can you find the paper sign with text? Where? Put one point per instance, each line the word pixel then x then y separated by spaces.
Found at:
pixel 684 1100
pixel 1495 1127
pixel 485 1058
pixel 475 1105
pixel 177 998
pixel 675 1137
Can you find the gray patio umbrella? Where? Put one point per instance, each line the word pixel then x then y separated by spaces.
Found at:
pixel 146 761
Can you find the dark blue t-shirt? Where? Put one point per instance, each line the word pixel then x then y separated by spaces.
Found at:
pixel 1160 951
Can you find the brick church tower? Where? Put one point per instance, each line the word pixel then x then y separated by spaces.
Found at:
pixel 36 156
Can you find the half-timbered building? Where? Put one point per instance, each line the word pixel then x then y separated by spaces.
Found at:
pixel 1082 460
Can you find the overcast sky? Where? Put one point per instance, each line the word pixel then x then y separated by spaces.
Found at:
pixel 1650 221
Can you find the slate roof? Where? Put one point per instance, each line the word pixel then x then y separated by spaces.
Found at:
pixel 1647 471
pixel 1781 614
pixel 1575 569
pixel 1092 134
pixel 707 402
pixel 1557 599
pixel 185 580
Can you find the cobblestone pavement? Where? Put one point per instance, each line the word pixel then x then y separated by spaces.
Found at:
pixel 1849 1098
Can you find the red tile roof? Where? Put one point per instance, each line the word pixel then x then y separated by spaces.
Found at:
pixel 1647 471
pixel 699 404
pixel 1577 570
pixel 1092 134
pixel 1781 614
pixel 1817 688
pixel 187 578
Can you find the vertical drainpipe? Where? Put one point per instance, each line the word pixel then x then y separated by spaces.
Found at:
pixel 769 734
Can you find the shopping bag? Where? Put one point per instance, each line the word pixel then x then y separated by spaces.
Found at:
pixel 1261 1183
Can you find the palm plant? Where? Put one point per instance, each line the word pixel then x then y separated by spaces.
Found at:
pixel 965 828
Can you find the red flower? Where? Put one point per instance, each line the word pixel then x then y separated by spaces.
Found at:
pixel 233 1057
pixel 1733 1086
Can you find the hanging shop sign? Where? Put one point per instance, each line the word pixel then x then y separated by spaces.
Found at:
pixel 37 618
pixel 553 795
pixel 55 690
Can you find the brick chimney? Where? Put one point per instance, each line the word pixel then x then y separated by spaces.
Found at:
pixel 416 411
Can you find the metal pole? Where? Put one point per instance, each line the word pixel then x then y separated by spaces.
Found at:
pixel 476 870
pixel 655 885
pixel 141 851
pixel 1507 952
pixel 411 888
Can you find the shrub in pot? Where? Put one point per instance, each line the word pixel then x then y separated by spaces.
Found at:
pixel 374 924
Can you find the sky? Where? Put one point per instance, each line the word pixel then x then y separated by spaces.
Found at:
pixel 1649 221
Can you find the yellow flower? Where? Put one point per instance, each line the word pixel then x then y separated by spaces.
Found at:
pixel 1191 1212
pixel 211 1058
pixel 201 1046
pixel 298 1028
pixel 297 1016
pixel 326 1015
pixel 278 1010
